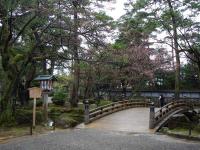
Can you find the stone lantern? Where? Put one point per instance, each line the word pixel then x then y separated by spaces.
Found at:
pixel 46 84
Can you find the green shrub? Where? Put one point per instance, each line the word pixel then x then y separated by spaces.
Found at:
pixel 104 102
pixel 55 112
pixel 71 118
pixel 91 101
pixel 77 111
pixel 24 116
pixel 7 119
pixel 197 128
pixel 51 94
pixel 59 95
pixel 39 103
pixel 59 102
pixel 59 98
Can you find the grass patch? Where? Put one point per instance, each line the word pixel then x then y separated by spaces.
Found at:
pixel 71 118
pixel 17 131
pixel 24 116
pixel 104 102
pixel 182 131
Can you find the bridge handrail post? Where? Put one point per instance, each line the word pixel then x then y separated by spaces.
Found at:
pixel 113 106
pixel 152 116
pixel 86 112
pixel 101 110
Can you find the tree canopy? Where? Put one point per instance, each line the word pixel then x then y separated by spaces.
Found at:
pixel 76 41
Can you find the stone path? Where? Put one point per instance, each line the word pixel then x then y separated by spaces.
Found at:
pixel 96 139
pixel 131 120
pixel 124 130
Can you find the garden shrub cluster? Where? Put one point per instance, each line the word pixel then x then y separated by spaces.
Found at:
pixel 197 128
pixel 24 116
pixel 104 102
pixel 59 98
pixel 71 118
pixel 55 112
pixel 39 103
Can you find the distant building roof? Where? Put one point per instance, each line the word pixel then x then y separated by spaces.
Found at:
pixel 45 77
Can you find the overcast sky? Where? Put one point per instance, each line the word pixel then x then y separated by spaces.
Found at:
pixel 115 9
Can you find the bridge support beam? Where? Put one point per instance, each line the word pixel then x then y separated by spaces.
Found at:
pixel 86 114
pixel 152 116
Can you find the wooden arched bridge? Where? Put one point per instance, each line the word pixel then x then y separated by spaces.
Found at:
pixel 157 117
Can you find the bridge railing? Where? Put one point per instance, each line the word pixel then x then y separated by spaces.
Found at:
pixel 168 109
pixel 155 117
pixel 102 111
pixel 195 102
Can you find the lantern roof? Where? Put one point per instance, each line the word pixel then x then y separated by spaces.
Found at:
pixel 45 77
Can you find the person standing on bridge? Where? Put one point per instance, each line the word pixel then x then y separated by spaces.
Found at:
pixel 162 100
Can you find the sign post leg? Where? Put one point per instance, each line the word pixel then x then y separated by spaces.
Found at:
pixel 45 105
pixel 34 109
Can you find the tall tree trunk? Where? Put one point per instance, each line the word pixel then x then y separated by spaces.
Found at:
pixel 6 101
pixel 89 84
pixel 173 62
pixel 44 66
pixel 76 73
pixel 175 38
pixel 12 70
pixel 51 70
pixel 199 68
pixel 23 92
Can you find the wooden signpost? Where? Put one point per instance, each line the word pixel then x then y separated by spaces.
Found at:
pixel 34 93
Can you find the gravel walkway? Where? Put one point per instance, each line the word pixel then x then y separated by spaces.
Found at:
pixel 95 139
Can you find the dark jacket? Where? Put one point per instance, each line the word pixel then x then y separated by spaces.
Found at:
pixel 162 101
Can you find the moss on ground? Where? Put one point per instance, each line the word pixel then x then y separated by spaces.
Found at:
pixel 104 102
pixel 71 118
pixel 182 131
pixel 17 131
pixel 21 127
